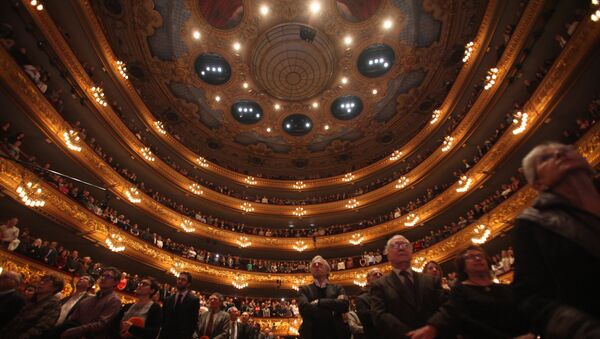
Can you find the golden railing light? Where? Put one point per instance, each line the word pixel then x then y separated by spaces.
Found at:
pixel 411 220
pixel 300 245
pixel 397 154
pixel 435 116
pixel 196 189
pixel 98 94
pixel 247 207
pixel 239 282
pixel 202 162
pixel 187 226
pixel 468 51
pixel 596 15
pixel 72 140
pixel 356 239
pixel 352 203
pixel 122 69
pixel 520 121
pixel 447 144
pixel 37 4
pixel 299 212
pixel 160 127
pixel 133 195
pixel 297 282
pixel 464 183
pixel 299 185
pixel 147 154
pixel 360 279
pixel 250 180
pixel 348 177
pixel 176 268
pixel 115 242
pixel 243 241
pixel 402 182
pixel 418 264
pixel 490 78
pixel 482 233
pixel 31 194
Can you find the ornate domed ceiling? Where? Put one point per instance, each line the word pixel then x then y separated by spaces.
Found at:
pixel 300 86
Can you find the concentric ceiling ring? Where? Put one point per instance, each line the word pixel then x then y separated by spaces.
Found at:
pixel 293 62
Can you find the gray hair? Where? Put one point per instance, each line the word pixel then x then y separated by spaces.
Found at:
pixel 530 161
pixel 390 240
pixel 323 261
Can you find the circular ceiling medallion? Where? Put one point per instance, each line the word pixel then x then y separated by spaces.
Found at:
pixel 212 68
pixel 293 62
pixel 346 107
pixel 297 125
pixel 375 60
pixel 247 112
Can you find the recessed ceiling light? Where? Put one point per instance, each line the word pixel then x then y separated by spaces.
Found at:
pixel 387 24
pixel 237 46
pixel 326 127
pixel 245 85
pixel 218 98
pixel 315 104
pixel 344 80
pixel 264 9
pixel 196 35
pixel 348 40
pixel 268 129
pixel 277 107
pixel 374 91
pixel 315 6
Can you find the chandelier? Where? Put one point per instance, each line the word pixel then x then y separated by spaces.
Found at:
pixel 37 4
pixel 418 264
pixel 411 220
pixel 122 69
pixel 187 226
pixel 352 203
pixel 115 242
pixel 133 195
pixel 356 239
pixel 520 120
pixel 202 162
pixel 435 116
pixel 160 127
pixel 300 245
pixel 299 185
pixel 176 268
pixel 360 279
pixel 31 194
pixel 147 154
pixel 463 184
pixel 490 78
pixel 250 180
pixel 247 207
pixel 297 282
pixel 98 94
pixel 468 51
pixel 402 182
pixel 348 177
pixel 239 282
pixel 243 242
pixel 299 212
pixel 395 155
pixel 196 189
pixel 72 140
pixel 482 233
pixel 447 144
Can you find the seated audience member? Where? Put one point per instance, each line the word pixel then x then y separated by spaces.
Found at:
pixel 9 232
pixel 214 323
pixel 478 307
pixel 40 315
pixel 94 314
pixel 322 304
pixel 141 319
pixel 70 304
pixel 180 310
pixel 11 301
pixel 559 232
pixel 363 305
pixel 434 269
pixel 403 300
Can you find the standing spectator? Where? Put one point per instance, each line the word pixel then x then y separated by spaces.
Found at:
pixel 69 305
pixel 50 254
pixel 214 323
pixel 73 262
pixel 180 310
pixel 322 304
pixel 403 300
pixel 11 301
pixel 363 305
pixel 41 314
pixel 9 232
pixel 94 314
pixel 559 231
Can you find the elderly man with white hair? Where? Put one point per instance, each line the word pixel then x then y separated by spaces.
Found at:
pixel 557 245
pixel 403 300
pixel 322 304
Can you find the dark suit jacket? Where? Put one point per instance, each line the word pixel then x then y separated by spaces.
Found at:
pixel 220 327
pixel 363 310
pixel 180 322
pixel 151 325
pixel 10 304
pixel 396 311
pixel 328 308
pixel 243 331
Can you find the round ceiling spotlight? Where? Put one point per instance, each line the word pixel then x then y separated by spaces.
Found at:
pixel 247 112
pixel 346 107
pixel 375 60
pixel 297 125
pixel 212 68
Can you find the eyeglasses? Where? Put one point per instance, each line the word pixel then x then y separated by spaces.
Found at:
pixel 143 283
pixel 106 276
pixel 399 245
pixel 474 257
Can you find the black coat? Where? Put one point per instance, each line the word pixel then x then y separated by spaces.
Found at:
pixel 557 251
pixel 329 308
pixel 395 311
pixel 180 322
pixel 220 326
pixel 363 310
pixel 10 305
pixel 151 325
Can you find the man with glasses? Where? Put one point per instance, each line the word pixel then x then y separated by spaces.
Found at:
pixel 180 310
pixel 363 305
pixel 322 304
pixel 404 299
pixel 95 313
